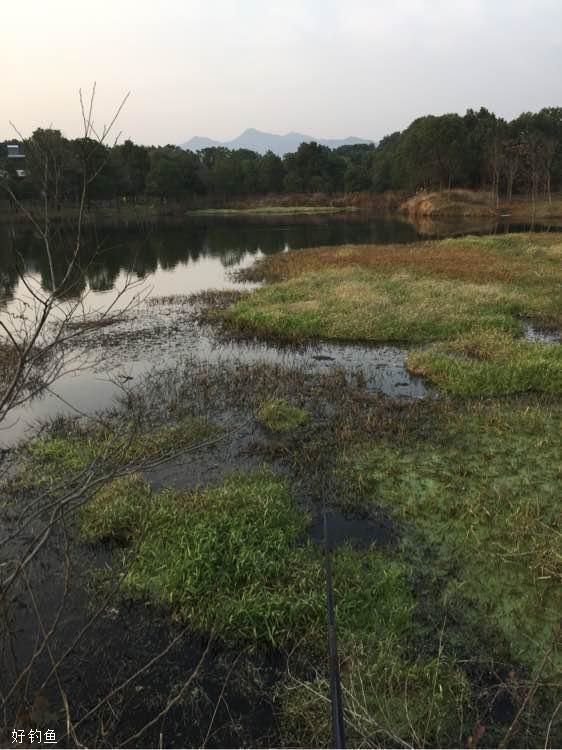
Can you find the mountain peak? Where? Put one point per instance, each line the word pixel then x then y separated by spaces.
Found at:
pixel 252 131
pixel 260 141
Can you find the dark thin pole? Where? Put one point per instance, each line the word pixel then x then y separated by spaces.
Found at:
pixel 338 734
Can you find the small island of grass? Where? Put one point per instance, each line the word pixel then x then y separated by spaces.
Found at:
pixel 468 299
pixel 270 210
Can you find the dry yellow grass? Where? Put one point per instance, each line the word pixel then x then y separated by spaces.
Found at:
pixel 523 258
pixel 450 203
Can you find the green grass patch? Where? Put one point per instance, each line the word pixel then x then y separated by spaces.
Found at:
pixel 280 416
pixel 490 363
pixel 117 511
pixel 359 304
pixel 485 493
pixel 388 701
pixel 467 297
pixel 231 559
pixel 56 457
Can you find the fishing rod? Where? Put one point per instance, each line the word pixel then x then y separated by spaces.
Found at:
pixel 338 728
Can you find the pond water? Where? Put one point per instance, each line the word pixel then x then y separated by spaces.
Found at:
pixel 181 258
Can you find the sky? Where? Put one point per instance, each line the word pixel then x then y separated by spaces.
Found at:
pixel 327 68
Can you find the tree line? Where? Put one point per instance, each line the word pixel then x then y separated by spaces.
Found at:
pixel 478 150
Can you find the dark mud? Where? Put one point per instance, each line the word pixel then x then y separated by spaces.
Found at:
pixel 128 664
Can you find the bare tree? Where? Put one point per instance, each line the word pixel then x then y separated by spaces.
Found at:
pixel 34 335
pixel 549 150
pixel 495 166
pixel 512 164
pixel 44 335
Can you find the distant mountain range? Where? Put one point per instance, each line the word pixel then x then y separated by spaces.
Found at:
pixel 256 140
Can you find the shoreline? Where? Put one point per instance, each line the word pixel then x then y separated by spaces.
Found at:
pixel 441 205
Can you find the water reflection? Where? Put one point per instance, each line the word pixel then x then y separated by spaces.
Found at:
pixel 110 250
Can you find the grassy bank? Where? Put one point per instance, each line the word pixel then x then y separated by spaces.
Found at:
pixel 489 363
pixel 468 297
pixel 476 203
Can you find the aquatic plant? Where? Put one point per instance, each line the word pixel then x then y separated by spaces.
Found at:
pixel 58 456
pixel 484 492
pixel 280 416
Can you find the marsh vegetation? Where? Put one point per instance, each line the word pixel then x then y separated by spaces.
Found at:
pixel 195 529
pixel 467 298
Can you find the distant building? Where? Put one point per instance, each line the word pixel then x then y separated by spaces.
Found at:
pixel 15 151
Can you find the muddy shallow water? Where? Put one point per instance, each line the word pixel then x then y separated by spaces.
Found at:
pixel 169 261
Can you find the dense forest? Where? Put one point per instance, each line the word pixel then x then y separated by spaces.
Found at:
pixel 478 150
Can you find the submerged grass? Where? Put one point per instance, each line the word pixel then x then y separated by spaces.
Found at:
pixel 485 492
pixel 280 416
pixel 57 457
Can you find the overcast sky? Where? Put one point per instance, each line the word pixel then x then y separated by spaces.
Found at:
pixel 328 68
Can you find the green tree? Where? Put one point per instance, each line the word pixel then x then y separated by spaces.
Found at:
pixel 131 167
pixel 315 168
pixel 271 173
pixel 433 151
pixel 173 174
pixel 386 171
